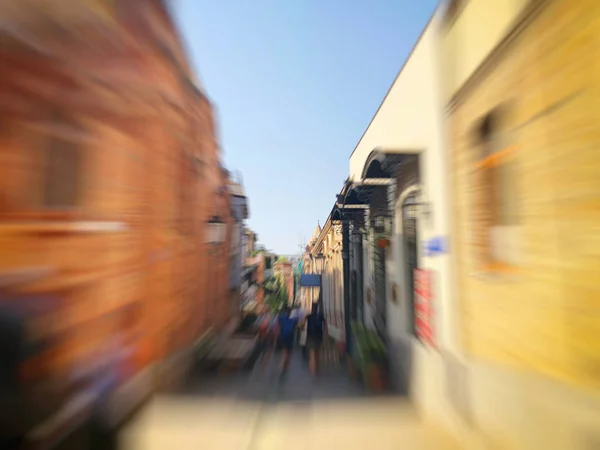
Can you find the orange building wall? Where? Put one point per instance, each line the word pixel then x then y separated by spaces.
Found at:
pixel 137 124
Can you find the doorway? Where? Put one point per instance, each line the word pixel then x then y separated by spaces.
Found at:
pixel 356 278
pixel 379 270
pixel 409 242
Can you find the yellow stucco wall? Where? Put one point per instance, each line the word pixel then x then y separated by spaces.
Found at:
pixel 468 40
pixel 546 317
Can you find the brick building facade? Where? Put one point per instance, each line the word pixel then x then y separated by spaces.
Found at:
pixel 110 171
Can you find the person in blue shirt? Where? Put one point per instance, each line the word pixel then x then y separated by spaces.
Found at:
pixel 285 337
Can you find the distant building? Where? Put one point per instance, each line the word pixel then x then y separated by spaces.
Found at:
pixel 324 258
pixel 250 239
pixel 240 211
pixel 269 263
pixel 307 295
pixel 284 271
pixel 294 259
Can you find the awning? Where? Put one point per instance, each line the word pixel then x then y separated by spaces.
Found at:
pixel 350 202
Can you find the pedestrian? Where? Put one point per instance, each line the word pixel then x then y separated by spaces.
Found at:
pixel 298 315
pixel 302 340
pixel 285 337
pixel 265 339
pixel 315 329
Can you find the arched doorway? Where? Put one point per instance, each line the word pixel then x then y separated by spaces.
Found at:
pixel 410 250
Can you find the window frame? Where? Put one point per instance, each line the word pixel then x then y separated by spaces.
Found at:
pixel 36 139
pixel 490 133
pixel 50 180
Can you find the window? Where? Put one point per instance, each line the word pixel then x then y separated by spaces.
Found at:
pixel 496 195
pixel 187 184
pixel 62 173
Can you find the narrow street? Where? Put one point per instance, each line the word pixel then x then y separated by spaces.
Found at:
pixel 412 186
pixel 259 411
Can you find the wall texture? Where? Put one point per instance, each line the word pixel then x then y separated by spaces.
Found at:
pixel 533 333
pixel 108 165
pixel 542 316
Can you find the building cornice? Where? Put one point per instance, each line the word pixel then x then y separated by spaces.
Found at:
pixel 319 242
pixel 530 12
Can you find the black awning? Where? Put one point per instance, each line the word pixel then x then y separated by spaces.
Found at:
pixel 382 164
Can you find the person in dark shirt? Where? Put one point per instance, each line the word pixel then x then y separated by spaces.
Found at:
pixel 285 337
pixel 315 329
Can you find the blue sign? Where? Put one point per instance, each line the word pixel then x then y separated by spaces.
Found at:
pixel 310 280
pixel 435 246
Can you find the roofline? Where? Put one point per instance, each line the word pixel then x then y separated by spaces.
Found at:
pixel 327 225
pixel 322 235
pixel 429 21
pixel 193 77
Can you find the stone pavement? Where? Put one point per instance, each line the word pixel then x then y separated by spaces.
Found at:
pixel 260 411
pixel 267 385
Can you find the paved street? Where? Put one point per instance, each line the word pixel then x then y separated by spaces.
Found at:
pixel 267 385
pixel 260 411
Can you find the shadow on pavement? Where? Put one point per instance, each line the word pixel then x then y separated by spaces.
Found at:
pixel 268 385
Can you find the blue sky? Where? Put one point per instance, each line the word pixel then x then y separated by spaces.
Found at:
pixel 295 84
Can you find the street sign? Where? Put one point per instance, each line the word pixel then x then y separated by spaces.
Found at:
pixel 310 280
pixel 435 246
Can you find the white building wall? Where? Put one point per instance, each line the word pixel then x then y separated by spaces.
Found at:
pixel 410 120
pixel 403 120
